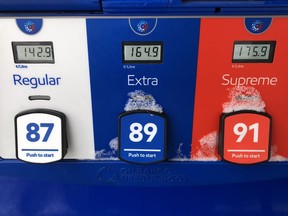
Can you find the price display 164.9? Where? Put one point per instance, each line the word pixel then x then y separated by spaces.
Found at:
pixel 136 52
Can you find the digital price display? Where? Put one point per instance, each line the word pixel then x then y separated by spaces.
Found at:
pixel 142 52
pixel 253 51
pixel 33 52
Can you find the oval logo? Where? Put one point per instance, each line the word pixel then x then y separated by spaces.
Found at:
pixel 143 26
pixel 257 25
pixel 30 26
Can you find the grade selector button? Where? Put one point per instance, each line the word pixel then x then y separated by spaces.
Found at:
pixel 40 136
pixel 142 137
pixel 245 137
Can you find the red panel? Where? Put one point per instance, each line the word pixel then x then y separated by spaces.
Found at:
pixel 223 86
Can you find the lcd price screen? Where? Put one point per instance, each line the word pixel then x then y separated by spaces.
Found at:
pixel 253 51
pixel 142 52
pixel 33 52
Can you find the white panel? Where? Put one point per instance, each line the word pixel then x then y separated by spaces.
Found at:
pixel 68 83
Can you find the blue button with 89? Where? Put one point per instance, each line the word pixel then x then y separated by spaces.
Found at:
pixel 142 136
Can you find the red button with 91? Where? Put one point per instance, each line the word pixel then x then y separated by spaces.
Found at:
pixel 245 137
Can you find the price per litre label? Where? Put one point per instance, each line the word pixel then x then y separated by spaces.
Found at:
pixel 245 137
pixel 40 136
pixel 142 137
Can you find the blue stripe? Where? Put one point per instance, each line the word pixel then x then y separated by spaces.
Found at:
pixel 40 149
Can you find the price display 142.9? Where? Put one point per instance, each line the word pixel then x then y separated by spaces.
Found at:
pixel 33 52
pixel 142 52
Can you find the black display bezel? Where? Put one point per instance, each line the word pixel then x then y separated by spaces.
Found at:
pixel 32 43
pixel 270 56
pixel 159 43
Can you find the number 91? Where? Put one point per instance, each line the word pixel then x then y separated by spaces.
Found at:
pixel 241 129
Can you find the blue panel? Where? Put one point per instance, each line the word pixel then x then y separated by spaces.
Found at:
pixel 49 5
pixel 176 76
pixel 164 7
pixel 196 7
pixel 21 197
pixel 115 173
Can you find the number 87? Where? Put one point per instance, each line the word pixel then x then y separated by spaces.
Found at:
pixel 33 128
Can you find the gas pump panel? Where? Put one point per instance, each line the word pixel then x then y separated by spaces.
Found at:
pixel 42 70
pixel 139 70
pixel 246 72
pixel 103 87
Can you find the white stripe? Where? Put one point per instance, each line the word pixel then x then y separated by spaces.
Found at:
pixel 144 150
pixel 245 150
